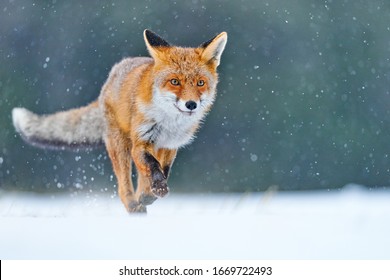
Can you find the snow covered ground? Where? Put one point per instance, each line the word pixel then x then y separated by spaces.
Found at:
pixel 353 223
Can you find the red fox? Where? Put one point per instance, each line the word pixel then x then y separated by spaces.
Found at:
pixel 147 109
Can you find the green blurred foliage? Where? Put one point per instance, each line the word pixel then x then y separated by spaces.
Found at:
pixel 303 100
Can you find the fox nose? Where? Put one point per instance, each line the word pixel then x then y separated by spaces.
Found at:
pixel 191 105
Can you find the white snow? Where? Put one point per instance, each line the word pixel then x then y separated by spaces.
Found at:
pixel 353 223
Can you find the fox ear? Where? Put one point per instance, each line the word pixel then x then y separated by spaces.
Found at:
pixel 213 48
pixel 154 43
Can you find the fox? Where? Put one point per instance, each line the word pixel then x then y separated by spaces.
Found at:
pixel 147 109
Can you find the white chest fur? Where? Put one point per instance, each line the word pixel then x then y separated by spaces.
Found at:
pixel 169 133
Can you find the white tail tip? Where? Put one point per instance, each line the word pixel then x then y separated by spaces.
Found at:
pixel 20 118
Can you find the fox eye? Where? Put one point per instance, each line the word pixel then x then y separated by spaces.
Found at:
pixel 200 83
pixel 175 82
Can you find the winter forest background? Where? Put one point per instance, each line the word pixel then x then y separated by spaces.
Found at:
pixel 303 100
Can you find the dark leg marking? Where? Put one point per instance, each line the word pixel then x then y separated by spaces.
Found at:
pixel 147 199
pixel 159 180
pixel 149 130
pixel 137 207
pixel 166 170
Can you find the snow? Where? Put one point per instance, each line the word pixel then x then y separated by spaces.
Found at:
pixel 352 223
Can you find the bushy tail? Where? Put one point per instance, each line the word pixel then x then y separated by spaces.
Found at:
pixel 73 129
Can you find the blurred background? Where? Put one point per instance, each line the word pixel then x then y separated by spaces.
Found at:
pixel 303 100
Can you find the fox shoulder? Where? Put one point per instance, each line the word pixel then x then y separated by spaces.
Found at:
pixel 121 70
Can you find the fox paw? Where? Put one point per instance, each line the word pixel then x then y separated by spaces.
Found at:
pixel 136 207
pixel 147 199
pixel 160 188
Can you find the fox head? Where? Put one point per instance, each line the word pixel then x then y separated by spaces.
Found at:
pixel 185 79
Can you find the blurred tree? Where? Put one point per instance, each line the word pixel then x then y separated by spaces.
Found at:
pixel 303 98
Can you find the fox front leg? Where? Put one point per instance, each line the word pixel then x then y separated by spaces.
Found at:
pixel 159 179
pixel 160 163
pixel 121 162
pixel 154 183
pixel 153 171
